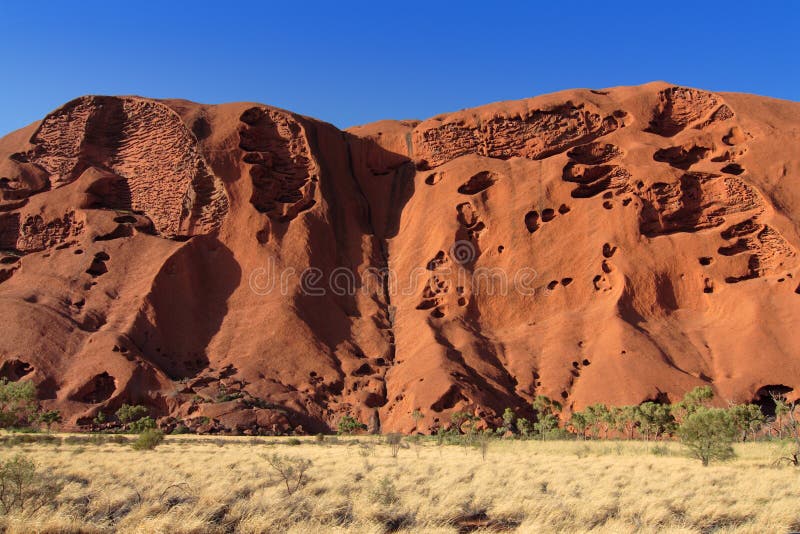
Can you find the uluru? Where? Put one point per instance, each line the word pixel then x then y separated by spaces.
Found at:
pixel 240 268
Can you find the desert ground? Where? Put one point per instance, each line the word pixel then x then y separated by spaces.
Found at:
pixel 194 484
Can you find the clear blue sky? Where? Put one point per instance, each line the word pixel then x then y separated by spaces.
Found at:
pixel 350 63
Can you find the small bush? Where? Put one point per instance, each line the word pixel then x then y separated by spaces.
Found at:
pixel 293 442
pixel 20 439
pixel 48 418
pixel 660 450
pixel 292 471
pixel 395 442
pixel 148 440
pixel 385 492
pixel 22 488
pixel 17 402
pixel 482 443
pixel 319 438
pixel 145 423
pixel 350 425
pixel 130 413
pixel 181 429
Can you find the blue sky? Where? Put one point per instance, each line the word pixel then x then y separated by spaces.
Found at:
pixel 355 62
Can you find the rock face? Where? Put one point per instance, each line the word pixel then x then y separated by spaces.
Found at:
pixel 242 268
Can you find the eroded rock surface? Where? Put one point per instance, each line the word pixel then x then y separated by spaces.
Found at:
pixel 240 268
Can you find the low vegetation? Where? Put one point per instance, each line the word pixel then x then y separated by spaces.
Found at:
pixel 692 466
pixel 195 484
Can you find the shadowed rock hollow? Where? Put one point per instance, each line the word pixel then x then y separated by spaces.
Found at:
pixel 593 246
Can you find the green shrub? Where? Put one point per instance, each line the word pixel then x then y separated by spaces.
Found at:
pixel 148 440
pixel 747 418
pixel 181 429
pixel 655 419
pixel 17 402
pixel 349 425
pixel 129 413
pixel 99 419
pixel 48 418
pixel 140 425
pixel 708 433
pixel 509 420
pixel 524 426
pixel 547 416
pixel 293 442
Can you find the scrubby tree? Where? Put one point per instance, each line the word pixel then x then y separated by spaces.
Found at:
pixel 460 418
pixel 693 400
pixel 292 471
pixel 143 424
pixel 579 423
pixel 655 419
pixel 23 488
pixel 708 433
pixel 482 440
pixel 524 426
pixel 350 425
pixel 128 413
pixel 747 418
pixel 395 442
pixel 48 418
pixel 17 402
pixel 613 419
pixel 626 420
pixel 417 416
pixel 597 415
pixel 509 420
pixel 547 415
pixel 786 407
pixel 781 410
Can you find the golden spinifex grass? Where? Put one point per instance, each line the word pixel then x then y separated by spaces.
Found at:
pixel 201 484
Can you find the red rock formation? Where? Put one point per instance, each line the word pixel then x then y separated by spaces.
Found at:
pixel 242 268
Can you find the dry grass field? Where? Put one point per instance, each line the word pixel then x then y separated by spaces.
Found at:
pixel 195 484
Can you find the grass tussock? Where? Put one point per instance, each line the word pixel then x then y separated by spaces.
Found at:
pixel 197 484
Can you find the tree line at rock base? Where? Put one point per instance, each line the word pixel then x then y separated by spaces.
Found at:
pixel 708 432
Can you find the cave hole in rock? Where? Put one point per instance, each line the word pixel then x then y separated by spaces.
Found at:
pixel 364 370
pixel 433 178
pixel 98 389
pixel 764 397
pixel 608 250
pixel 532 221
pixel 477 183
pixel 15 369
